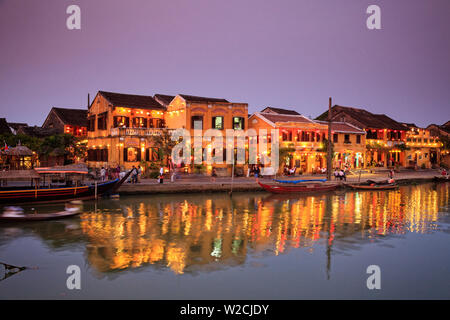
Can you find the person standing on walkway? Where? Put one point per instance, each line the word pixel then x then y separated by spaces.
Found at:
pixel 161 174
pixel 213 175
pixel 139 171
pixel 102 174
pixel 134 174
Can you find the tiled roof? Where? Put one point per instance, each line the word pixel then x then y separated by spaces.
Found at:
pixel 279 111
pixel 131 100
pixel 368 119
pixel 277 118
pixel 163 98
pixel 17 125
pixel 410 125
pixel 343 127
pixel 73 117
pixel 201 99
pixel 38 132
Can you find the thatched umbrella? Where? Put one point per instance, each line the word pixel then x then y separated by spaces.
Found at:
pixel 19 151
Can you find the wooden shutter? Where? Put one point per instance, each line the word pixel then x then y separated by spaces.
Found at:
pixel 125 154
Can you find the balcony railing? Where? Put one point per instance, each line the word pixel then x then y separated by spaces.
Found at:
pixel 141 132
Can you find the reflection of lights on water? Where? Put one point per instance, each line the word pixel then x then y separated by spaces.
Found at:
pixel 181 234
pixel 217 248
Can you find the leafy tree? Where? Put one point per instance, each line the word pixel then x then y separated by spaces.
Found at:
pixel 164 144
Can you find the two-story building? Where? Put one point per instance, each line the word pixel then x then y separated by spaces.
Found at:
pixel 300 138
pixel 385 137
pixel 423 147
pixel 203 113
pixel 349 145
pixel 443 132
pixel 120 127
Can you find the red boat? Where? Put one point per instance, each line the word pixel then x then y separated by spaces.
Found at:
pixel 310 187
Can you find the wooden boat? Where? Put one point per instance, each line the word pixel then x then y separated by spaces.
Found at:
pixel 13 195
pixel 373 187
pixel 40 216
pixel 278 188
pixel 441 179
pixel 301 180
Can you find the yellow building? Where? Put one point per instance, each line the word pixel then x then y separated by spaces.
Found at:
pixel 385 137
pixel 299 137
pixel 189 112
pixel 423 148
pixel 120 127
pixel 349 145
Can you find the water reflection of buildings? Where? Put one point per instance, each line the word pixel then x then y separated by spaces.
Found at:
pixel 208 232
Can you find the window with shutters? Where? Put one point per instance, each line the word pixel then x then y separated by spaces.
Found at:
pixel 120 121
pixel 217 123
pixel 238 123
pixel 131 154
pixel 139 122
pixel 101 121
pixel 335 137
pixel 152 154
pixel 197 122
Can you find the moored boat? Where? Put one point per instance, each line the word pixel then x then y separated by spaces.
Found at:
pixel 373 187
pixel 441 178
pixel 38 193
pixel 16 214
pixel 310 187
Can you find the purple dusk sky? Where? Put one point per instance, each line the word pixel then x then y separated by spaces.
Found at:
pixel 283 53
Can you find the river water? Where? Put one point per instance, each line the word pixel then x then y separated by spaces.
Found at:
pixel 249 246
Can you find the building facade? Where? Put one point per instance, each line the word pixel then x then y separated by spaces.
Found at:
pixel 203 113
pixel 423 148
pixel 301 140
pixel 349 145
pixel 385 137
pixel 71 121
pixel 120 130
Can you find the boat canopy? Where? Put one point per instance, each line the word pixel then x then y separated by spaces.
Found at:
pixel 69 169
pixel 19 175
pixel 301 180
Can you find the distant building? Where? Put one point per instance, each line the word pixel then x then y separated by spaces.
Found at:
pixel 439 130
pixel 424 148
pixel 37 132
pixel 385 137
pixel 72 121
pixel 443 132
pixel 15 126
pixel 279 111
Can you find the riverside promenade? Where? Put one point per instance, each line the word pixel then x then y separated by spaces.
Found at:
pixel 200 183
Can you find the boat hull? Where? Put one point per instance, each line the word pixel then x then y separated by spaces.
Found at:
pixel 375 187
pixel 55 194
pixel 39 217
pixel 279 189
